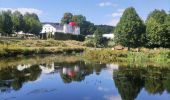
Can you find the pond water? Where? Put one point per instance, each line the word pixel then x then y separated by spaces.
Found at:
pixel 70 78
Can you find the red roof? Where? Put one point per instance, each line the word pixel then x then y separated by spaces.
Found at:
pixel 71 73
pixel 73 24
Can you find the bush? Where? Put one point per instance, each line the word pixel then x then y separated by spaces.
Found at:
pixel 99 43
pixel 111 43
pixel 89 42
pixel 67 36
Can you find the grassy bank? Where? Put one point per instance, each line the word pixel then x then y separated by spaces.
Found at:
pixel 159 57
pixel 31 47
pixel 38 59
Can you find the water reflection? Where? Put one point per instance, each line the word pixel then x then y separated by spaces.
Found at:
pixel 128 81
pixel 13 77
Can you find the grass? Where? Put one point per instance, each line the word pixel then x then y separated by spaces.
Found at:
pixel 156 57
pixel 159 57
pixel 30 47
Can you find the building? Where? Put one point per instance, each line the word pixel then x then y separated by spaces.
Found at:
pixel 71 28
pixel 109 36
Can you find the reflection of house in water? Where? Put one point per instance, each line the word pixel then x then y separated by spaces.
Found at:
pixel 70 71
pixel 112 66
pixel 12 78
pixel 23 66
pixel 47 68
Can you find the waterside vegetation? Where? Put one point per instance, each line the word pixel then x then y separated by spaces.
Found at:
pixel 133 57
pixel 13 48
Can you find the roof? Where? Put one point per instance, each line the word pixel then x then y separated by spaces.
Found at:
pixel 58 26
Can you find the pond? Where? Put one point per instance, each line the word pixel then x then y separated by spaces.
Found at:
pixel 71 78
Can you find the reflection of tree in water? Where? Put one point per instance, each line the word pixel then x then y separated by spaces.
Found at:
pixel 11 77
pixel 69 74
pixel 166 83
pixel 130 81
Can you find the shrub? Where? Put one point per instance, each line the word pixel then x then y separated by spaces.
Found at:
pixel 89 42
pixel 67 36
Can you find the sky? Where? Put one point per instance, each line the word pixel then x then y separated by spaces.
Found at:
pixel 106 12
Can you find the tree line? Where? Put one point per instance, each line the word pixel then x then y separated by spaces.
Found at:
pixel 11 22
pixel 132 31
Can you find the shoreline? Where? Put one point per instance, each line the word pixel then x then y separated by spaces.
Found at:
pixel 153 57
pixel 24 48
pixel 14 48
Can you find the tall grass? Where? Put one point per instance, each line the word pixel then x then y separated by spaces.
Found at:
pixel 31 47
pixel 159 57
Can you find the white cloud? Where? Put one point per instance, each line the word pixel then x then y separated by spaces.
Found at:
pixel 113 22
pixel 116 17
pixel 112 97
pixel 118 13
pixel 103 89
pixel 23 10
pixel 102 4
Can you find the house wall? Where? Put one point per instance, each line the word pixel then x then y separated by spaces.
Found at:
pixel 66 29
pixel 48 28
pixel 109 36
pixel 69 29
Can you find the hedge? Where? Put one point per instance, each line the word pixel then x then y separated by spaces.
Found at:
pixel 67 36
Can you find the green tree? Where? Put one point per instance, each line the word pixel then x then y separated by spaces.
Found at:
pixel 130 29
pixel 32 24
pixel 98 37
pixel 158 15
pixel 66 18
pixel 6 22
pixel 167 23
pixel 106 28
pixel 18 22
pixel 1 22
pixel 156 29
pixel 87 28
pixel 79 19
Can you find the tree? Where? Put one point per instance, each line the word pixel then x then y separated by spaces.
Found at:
pixel 32 24
pixel 156 29
pixel 66 18
pixel 6 22
pixel 106 28
pixel 1 22
pixel 158 15
pixel 167 23
pixel 18 22
pixel 130 29
pixel 87 28
pixel 98 37
pixel 79 19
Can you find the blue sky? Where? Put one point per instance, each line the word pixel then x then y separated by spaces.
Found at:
pixel 97 11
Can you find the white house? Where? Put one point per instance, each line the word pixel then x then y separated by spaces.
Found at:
pixel 109 36
pixel 57 27
pixel 47 69
pixel 52 28
pixel 23 67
